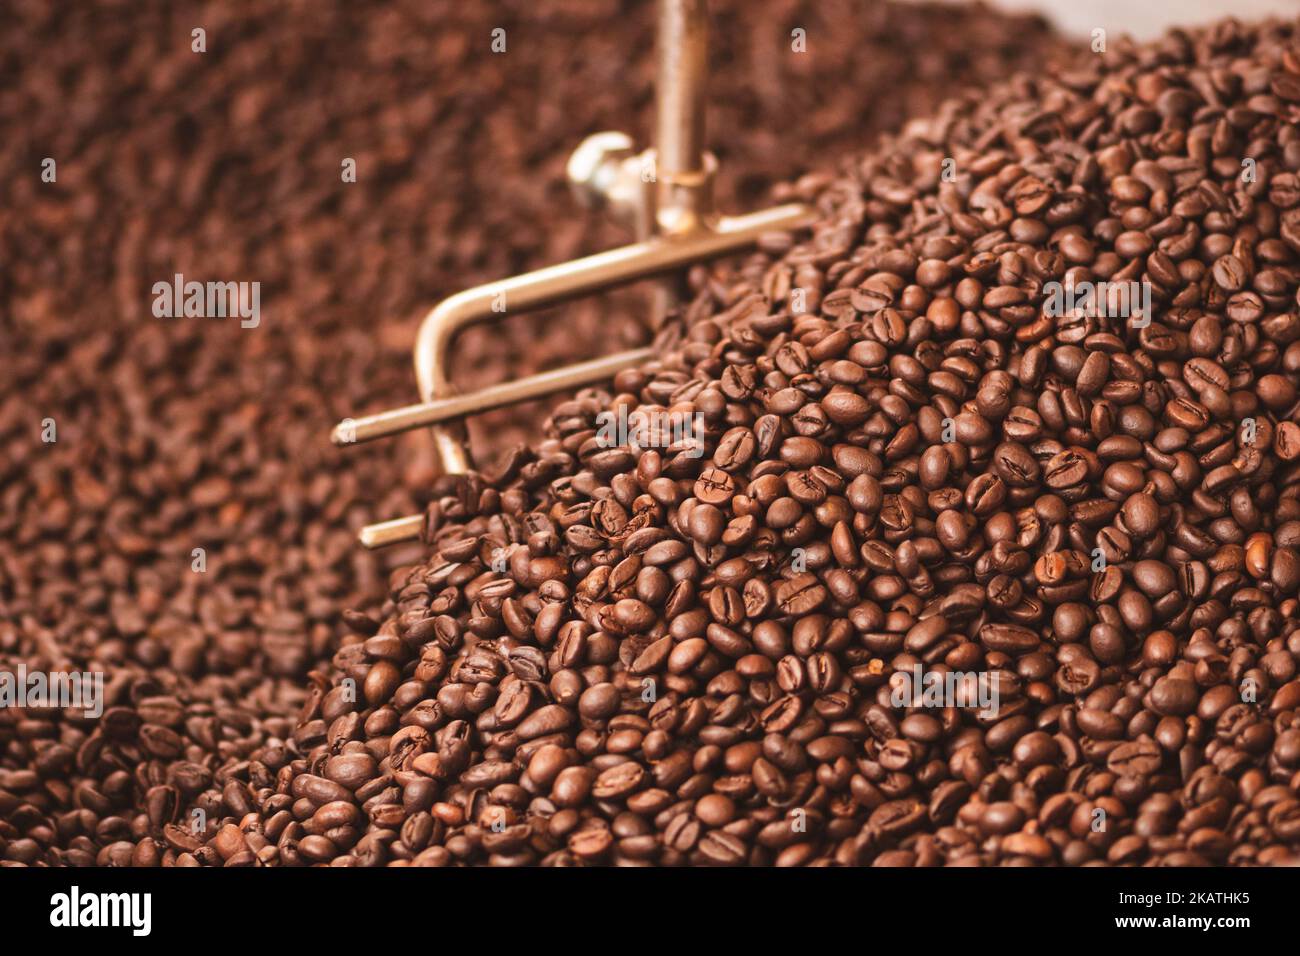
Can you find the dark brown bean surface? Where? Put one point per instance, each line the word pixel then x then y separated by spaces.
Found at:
pixel 914 465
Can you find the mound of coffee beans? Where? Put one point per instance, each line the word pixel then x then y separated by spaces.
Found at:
pixel 176 434
pixel 916 460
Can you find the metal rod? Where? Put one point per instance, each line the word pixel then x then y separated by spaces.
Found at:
pixel 391 532
pixel 494 396
pixel 570 280
pixel 683 42
pixel 539 289
pixel 683 206
pixel 678 227
pixel 682 197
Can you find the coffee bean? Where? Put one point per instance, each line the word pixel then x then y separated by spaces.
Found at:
pixel 800 595
pixel 1173 696
pixel 1065 469
pixel 1008 638
pixel 1141 758
pixel 692 659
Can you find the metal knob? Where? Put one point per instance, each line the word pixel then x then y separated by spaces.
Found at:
pixel 606 172
pixel 595 166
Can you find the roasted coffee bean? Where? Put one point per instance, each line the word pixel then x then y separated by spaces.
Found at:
pixel 956 565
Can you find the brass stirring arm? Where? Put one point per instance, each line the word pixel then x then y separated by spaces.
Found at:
pixel 677 227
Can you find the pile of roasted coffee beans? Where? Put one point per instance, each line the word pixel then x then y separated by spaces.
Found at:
pixel 657 657
pixel 181 434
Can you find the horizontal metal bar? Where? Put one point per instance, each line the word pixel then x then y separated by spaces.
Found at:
pixel 391 532
pixel 540 289
pixel 657 256
pixel 565 281
pixel 352 431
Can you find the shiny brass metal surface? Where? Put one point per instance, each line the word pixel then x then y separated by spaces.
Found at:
pixel 672 214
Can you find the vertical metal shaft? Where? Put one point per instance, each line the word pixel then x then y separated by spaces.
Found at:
pixel 676 226
pixel 679 103
pixel 682 199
